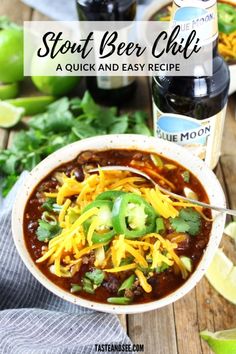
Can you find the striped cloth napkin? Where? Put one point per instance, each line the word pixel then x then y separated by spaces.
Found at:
pixel 33 320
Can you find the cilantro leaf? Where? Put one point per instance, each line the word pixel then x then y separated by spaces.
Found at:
pixel 179 224
pixel 82 130
pixel 7 183
pixel 46 231
pixel 102 117
pixel 189 220
pixel 193 218
pixel 96 276
pixel 120 126
pixel 50 205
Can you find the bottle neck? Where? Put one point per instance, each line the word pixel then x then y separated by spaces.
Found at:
pixel 107 10
pixel 197 15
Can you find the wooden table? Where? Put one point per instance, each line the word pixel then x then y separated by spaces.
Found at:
pixel 174 328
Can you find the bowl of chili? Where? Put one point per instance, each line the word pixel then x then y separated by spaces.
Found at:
pixel 111 241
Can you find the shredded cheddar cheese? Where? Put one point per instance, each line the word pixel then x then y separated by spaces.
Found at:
pixel 143 281
pixel 121 268
pixel 161 203
pixel 63 210
pixel 64 252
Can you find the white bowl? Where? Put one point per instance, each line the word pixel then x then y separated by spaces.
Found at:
pixel 165 148
pixel 155 6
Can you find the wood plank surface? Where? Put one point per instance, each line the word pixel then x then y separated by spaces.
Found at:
pixel 15 10
pixel 155 329
pixel 229 138
pixel 229 170
pixel 3 138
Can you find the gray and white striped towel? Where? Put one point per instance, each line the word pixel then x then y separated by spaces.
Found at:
pixel 34 321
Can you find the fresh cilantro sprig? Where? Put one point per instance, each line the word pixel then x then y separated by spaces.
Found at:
pixel 47 231
pixel 189 220
pixel 96 276
pixel 64 122
pixel 50 205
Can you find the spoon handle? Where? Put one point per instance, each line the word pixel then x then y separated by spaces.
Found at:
pixel 204 205
pixel 166 191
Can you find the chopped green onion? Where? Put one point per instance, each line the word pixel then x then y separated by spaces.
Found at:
pixel 119 300
pixel 127 284
pixel 88 286
pixel 186 176
pixel 51 219
pixel 162 268
pixel 187 262
pixel 75 288
pixel 157 161
pixel 160 226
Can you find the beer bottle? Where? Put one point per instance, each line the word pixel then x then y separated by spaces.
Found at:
pixel 109 89
pixel 190 111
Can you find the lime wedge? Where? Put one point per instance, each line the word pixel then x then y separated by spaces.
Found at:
pixel 222 276
pixel 230 230
pixel 9 115
pixel 32 105
pixel 223 342
pixel 9 91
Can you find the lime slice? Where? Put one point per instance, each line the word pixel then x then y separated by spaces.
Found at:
pixel 230 230
pixel 32 105
pixel 9 91
pixel 223 342
pixel 222 276
pixel 9 115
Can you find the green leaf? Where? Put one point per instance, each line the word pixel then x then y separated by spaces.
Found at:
pixel 120 126
pixel 82 130
pixel 179 224
pixel 193 218
pixel 10 164
pixel 96 276
pixel 189 220
pixel 61 105
pixel 52 121
pixel 75 105
pixel 103 117
pixel 7 183
pixel 47 231
pixel 31 161
pixel 50 205
pixel 141 128
pixel 140 117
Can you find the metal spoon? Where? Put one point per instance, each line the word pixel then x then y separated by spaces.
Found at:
pixel 166 191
